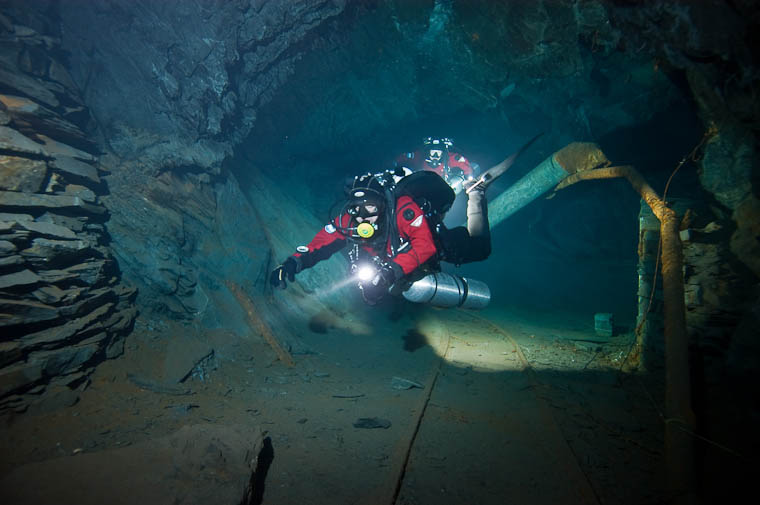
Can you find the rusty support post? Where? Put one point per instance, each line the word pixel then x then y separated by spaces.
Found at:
pixel 680 422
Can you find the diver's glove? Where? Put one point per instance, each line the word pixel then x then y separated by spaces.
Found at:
pixel 388 274
pixel 288 269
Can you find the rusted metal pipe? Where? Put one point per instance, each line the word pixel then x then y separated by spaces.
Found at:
pixel 546 175
pixel 680 422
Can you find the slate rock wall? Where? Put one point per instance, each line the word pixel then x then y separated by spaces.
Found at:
pixel 63 307
pixel 179 83
pixel 175 87
pixel 710 43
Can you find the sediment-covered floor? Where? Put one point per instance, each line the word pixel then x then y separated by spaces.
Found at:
pixel 398 406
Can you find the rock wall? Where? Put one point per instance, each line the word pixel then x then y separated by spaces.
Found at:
pixel 175 86
pixel 178 84
pixel 710 43
pixel 166 103
pixel 63 307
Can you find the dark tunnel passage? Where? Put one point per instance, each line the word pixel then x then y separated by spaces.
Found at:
pixel 576 252
pixel 167 167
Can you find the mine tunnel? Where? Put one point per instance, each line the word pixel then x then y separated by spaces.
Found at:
pixel 167 168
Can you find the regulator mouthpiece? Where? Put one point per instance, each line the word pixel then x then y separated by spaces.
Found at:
pixel 365 230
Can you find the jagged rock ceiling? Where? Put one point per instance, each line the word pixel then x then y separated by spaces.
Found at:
pixel 547 66
pixel 188 98
pixel 179 83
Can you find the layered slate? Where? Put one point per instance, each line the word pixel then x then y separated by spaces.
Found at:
pixel 63 307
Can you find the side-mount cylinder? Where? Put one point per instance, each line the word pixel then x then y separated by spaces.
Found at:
pixel 446 290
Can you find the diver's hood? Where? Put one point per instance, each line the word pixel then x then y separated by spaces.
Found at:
pixel 364 203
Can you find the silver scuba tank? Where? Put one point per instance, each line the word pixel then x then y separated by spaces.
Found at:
pixel 445 290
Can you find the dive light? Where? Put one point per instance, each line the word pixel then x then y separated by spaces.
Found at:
pixel 366 273
pixel 439 289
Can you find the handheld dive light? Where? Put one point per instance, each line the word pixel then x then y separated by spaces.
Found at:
pixel 366 273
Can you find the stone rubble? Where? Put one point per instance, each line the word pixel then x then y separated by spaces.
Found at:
pixel 63 306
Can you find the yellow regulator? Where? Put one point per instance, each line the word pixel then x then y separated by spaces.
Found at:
pixel 365 230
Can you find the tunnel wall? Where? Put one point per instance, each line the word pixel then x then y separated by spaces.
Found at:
pixel 174 90
pixel 63 305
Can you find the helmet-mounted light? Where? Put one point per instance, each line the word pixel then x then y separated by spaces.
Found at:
pixel 439 143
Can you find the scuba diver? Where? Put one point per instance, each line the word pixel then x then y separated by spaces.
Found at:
pixel 438 155
pixel 386 231
pixel 393 224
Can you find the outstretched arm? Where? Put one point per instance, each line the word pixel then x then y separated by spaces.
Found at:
pixel 325 243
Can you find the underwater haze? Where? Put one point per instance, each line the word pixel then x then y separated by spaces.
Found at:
pixel 554 202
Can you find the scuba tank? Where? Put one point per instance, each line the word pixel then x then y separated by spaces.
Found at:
pixel 441 289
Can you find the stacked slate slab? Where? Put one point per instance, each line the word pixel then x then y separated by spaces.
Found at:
pixel 713 285
pixel 649 321
pixel 63 307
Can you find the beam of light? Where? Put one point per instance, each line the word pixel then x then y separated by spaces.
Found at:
pixel 468 344
pixel 322 293
pixel 363 274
